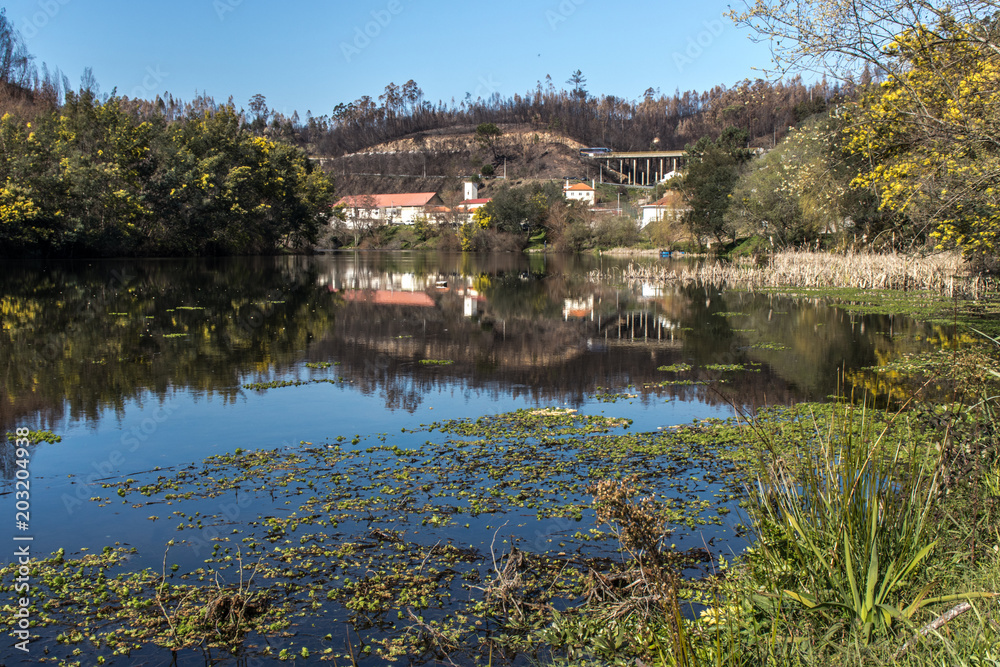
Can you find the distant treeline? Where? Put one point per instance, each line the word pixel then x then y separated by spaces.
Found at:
pixel 764 109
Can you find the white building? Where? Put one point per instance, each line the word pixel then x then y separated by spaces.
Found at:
pixel 580 192
pixel 669 207
pixel 395 209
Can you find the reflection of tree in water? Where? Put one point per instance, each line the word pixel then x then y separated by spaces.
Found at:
pixel 79 339
pixel 8 448
pixel 521 343
pixel 83 338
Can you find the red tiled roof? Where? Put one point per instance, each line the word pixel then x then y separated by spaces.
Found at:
pixel 579 186
pixel 470 202
pixel 385 201
pixel 669 198
pixel 384 297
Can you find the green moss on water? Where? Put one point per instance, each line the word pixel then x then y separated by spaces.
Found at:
pixel 389 537
pixel 933 307
pixel 279 384
pixel 725 368
pixel 321 364
pixel 675 368
pixel 35 437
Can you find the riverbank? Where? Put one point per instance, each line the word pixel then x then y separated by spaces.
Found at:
pixel 945 273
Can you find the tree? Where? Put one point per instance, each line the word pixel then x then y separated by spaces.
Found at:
pixel 578 81
pixel 258 106
pixel 712 172
pixel 841 38
pixel 932 137
pixel 522 210
pixel 16 68
pixel 488 136
pixel 802 190
pixel 930 129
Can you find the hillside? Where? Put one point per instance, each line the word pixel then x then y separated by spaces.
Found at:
pixel 439 159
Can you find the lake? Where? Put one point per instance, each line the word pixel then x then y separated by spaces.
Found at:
pixel 365 439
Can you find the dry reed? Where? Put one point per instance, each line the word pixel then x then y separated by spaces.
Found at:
pixel 944 273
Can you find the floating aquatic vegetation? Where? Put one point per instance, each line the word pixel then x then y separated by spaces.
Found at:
pixel 768 346
pixel 35 437
pixel 608 396
pixel 175 335
pixel 190 308
pixel 674 383
pixel 278 384
pixel 321 364
pixel 732 367
pixel 113 614
pixel 407 543
pixel 436 362
pixel 675 368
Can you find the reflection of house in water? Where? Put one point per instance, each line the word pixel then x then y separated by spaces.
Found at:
pixel 383 297
pixel 549 339
pixel 652 291
pixel 578 307
pixel 403 289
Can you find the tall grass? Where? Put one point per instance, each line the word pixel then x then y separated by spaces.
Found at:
pixel 944 273
pixel 850 521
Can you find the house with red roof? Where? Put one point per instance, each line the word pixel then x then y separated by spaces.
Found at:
pixel 671 206
pixel 392 209
pixel 580 192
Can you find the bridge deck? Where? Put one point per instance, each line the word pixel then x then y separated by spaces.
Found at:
pixel 639 154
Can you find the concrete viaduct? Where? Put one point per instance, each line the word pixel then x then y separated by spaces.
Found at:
pixel 639 167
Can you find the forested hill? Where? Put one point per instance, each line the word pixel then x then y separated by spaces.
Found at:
pixel 764 109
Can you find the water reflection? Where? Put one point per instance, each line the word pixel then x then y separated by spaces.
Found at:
pixel 80 338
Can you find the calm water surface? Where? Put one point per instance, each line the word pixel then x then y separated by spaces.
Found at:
pixel 142 364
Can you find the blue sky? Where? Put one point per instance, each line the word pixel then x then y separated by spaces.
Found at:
pixel 307 55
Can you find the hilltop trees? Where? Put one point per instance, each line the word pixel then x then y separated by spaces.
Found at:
pixel 16 67
pixel 764 109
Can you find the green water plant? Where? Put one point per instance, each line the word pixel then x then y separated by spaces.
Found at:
pixel 680 367
pixel 842 527
pixel 35 437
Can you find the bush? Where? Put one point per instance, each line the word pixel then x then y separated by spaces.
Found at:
pixel 616 231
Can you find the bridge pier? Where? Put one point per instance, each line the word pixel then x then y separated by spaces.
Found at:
pixel 633 171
